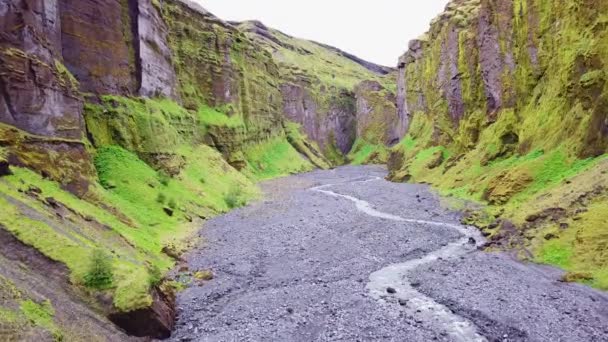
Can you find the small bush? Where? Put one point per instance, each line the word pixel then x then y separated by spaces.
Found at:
pixel 99 274
pixel 164 179
pixel 234 198
pixel 172 204
pixel 161 198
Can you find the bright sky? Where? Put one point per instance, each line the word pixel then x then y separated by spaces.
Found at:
pixel 377 30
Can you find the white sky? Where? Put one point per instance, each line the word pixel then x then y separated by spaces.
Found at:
pixel 377 30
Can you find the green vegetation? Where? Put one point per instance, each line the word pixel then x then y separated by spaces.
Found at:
pixel 275 158
pixel 302 144
pixel 41 315
pixel 128 205
pixel 140 125
pixel 300 55
pixel 541 151
pixel 234 198
pixel 65 75
pixel 213 117
pixel 366 153
pixel 99 273
pixel 332 152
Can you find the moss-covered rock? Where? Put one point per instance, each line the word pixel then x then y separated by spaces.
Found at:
pixel 511 92
pixel 377 119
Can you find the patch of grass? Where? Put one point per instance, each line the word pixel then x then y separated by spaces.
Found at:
pixel 409 143
pixel 582 247
pixel 332 152
pixel 556 253
pixel 155 275
pixel 366 153
pixel 554 168
pixel 41 315
pixel 9 316
pixel 215 117
pixel 274 158
pixel 3 153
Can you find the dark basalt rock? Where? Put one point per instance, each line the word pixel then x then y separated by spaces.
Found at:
pixel 332 125
pixel 98 49
pixel 4 168
pixel 155 321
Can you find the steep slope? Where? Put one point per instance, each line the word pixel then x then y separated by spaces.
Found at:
pixel 320 90
pixel 124 125
pixel 506 105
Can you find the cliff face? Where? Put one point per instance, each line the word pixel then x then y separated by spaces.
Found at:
pixel 39 98
pixel 318 87
pixel 506 104
pixel 124 125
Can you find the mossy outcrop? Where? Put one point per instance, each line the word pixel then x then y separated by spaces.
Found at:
pixel 513 95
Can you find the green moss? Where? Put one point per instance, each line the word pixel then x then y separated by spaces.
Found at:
pixel 3 153
pixel 136 226
pixel 408 143
pixel 9 316
pixel 66 76
pixel 581 249
pixel 141 125
pixel 41 315
pixel 214 117
pixel 303 145
pixel 367 153
pixel 274 158
pixel 332 152
pixel 535 149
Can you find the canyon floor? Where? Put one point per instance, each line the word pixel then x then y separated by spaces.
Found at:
pixel 344 255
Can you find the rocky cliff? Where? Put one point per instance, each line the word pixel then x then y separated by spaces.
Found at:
pixel 124 124
pixel 320 90
pixel 506 105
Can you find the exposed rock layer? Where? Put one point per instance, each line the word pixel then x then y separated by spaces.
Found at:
pixel 484 60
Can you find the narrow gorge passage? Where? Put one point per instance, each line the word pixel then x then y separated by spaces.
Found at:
pixel 343 255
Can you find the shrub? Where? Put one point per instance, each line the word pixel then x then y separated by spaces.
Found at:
pixel 172 204
pixel 99 274
pixel 234 198
pixel 164 179
pixel 161 198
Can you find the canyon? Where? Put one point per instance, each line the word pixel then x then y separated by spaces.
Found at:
pixel 127 125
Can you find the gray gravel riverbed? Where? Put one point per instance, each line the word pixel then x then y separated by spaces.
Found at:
pixel 344 255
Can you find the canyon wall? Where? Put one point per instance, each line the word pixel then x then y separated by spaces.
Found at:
pixel 506 105
pixel 124 124
pixel 319 88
